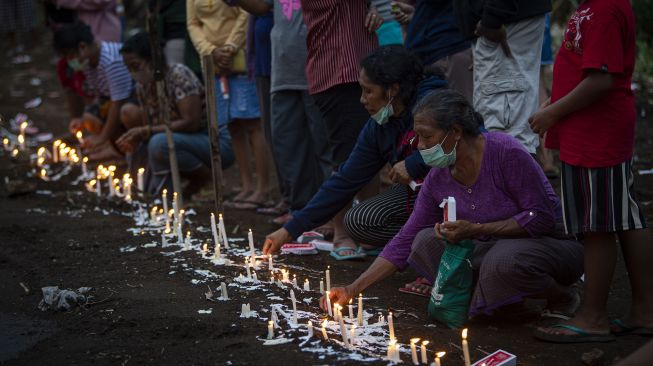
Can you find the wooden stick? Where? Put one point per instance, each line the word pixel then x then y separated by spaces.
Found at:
pixel 162 98
pixel 214 131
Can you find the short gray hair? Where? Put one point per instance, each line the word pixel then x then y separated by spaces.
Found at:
pixel 446 107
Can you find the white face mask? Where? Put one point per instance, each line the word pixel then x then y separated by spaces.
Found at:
pixel 383 115
pixel 436 157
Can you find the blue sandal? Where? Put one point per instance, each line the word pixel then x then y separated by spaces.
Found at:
pixel 356 256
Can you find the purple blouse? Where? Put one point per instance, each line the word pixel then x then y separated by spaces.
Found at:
pixel 510 184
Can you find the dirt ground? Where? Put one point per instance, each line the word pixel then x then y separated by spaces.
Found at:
pixel 146 304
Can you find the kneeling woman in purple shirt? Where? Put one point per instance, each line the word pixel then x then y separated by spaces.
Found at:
pixel 504 203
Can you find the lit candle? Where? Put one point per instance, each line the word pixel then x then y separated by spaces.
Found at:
pixel 270 329
pixel 360 310
pixel 270 265
pixel 205 248
pixel 413 350
pixel 164 200
pixel 328 278
pixel 391 326
pixel 466 348
pixel 112 188
pixel 44 175
pixel 153 215
pixel 79 136
pixel 322 286
pixel 271 277
pixel 214 230
pixel 352 335
pixel 98 187
pixel 14 153
pixel 351 311
pixel 84 168
pixel 392 350
pixel 140 179
pixel 55 151
pixel 168 214
pixel 223 231
pixel 180 235
pixel 310 329
pixel 175 207
pixel 424 359
pixel 438 356
pixel 324 332
pixel 5 143
pixel 164 241
pixel 294 280
pixel 217 253
pixel 328 300
pixel 21 141
pixel 307 286
pixel 187 241
pixel 335 311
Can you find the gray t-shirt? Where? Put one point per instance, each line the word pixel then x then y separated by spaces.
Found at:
pixel 289 52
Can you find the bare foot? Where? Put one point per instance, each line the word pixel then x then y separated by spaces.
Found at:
pixel 242 195
pixel 257 197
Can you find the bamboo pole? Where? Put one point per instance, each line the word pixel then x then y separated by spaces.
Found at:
pixel 214 137
pixel 162 98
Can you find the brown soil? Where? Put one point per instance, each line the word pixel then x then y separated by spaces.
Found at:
pixel 144 314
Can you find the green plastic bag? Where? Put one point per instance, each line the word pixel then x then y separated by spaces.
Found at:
pixel 451 292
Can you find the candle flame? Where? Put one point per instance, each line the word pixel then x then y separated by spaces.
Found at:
pixel 141 170
pixel 5 141
pixel 43 173
pixel 424 343
pixel 464 333
pixel 14 152
pixel 85 160
pixel 414 340
pixel 440 354
pixel 21 139
pixel 393 342
pixel 57 143
pixel 350 301
pixel 23 125
pixel 40 151
pixel 206 247
pixel 78 134
pixel 324 323
pixel 165 192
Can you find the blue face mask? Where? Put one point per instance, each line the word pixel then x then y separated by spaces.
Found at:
pixel 436 157
pixel 383 115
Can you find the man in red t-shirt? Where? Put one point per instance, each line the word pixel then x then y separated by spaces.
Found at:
pixel 591 120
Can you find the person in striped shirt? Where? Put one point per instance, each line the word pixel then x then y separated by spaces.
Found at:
pixel 108 81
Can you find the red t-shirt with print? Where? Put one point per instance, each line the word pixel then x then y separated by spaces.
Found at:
pixel 599 36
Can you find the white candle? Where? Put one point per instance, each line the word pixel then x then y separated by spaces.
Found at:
pixel 351 311
pixel 343 331
pixel 168 214
pixel 55 151
pixel 270 265
pixel 294 280
pixel 310 329
pixel 321 286
pixel 187 241
pixel 140 179
pixel 352 335
pixel 214 230
pixel 438 356
pixel 44 175
pixel 205 248
pixel 180 235
pixel 164 241
pixel 360 310
pixel 335 312
pixel 223 288
pixel 112 189
pixel 466 348
pixel 80 137
pixel 270 329
pixel 217 254
pixel 98 187
pixel 392 347
pixel 84 167
pixel 164 200
pixel 250 238
pixel 153 215
pixel 423 349
pixel 413 350
pixel 223 231
pixel 271 277
pixel 328 300
pixel 294 306
pixel 249 272
pixel 307 286
pixel 324 332
pixel 21 142
pixel 391 326
pixel 175 207
pixel 328 278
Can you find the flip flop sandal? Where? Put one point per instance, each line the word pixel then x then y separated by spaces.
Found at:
pixel 619 328
pixel 336 254
pixel 372 252
pixel 273 211
pixel 581 336
pixel 250 205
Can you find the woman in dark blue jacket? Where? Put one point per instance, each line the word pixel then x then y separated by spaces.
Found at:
pixel 391 79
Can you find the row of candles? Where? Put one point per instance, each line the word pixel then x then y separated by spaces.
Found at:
pixel 174 218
